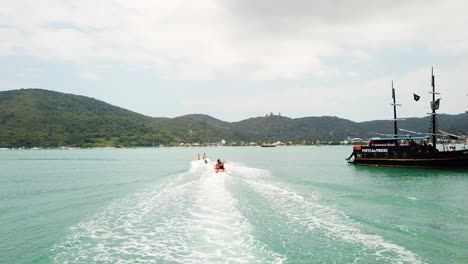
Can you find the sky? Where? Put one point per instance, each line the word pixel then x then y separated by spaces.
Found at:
pixel 236 59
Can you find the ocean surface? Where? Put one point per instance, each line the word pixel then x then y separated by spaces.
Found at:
pixel 273 205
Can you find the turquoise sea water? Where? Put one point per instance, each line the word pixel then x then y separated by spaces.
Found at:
pixel 274 205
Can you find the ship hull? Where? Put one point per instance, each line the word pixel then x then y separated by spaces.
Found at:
pixel 406 157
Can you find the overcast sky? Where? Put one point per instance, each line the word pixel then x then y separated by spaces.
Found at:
pixel 239 59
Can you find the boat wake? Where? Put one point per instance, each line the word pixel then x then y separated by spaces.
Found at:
pixel 243 216
pixel 308 212
pixel 186 218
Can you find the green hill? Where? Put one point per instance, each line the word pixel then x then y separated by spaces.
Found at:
pixel 456 124
pixel 35 117
pixel 192 128
pixel 42 118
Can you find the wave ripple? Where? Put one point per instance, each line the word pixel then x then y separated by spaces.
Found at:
pixel 186 218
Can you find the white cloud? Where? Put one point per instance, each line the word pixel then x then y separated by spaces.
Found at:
pixel 366 100
pixel 249 40
pixel 324 57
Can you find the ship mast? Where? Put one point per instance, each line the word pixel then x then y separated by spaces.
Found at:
pixel 395 127
pixel 434 107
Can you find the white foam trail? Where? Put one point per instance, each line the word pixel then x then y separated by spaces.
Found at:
pixel 187 218
pixel 123 231
pixel 309 212
pixel 219 229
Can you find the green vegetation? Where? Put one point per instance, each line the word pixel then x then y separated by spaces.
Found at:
pixel 34 117
pixel 41 118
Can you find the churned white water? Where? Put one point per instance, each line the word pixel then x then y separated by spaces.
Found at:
pixel 186 218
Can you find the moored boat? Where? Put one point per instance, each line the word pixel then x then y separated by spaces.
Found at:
pixel 410 151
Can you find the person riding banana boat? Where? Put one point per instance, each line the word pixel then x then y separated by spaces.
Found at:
pixel 204 158
pixel 219 166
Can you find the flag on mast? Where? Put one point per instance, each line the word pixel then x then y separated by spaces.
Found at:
pixel 435 105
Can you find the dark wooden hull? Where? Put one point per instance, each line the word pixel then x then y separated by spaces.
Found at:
pixel 408 157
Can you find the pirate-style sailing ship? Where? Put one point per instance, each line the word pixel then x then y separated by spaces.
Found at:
pixel 410 151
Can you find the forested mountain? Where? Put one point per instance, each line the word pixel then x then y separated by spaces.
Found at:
pixel 35 117
pixel 191 128
pixel 42 118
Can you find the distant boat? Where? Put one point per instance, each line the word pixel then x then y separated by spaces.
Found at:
pixel 410 151
pixel 272 145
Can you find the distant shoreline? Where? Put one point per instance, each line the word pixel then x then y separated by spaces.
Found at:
pixel 165 147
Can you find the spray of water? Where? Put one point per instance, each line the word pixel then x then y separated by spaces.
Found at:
pixel 195 217
pixel 185 218
pixel 308 211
